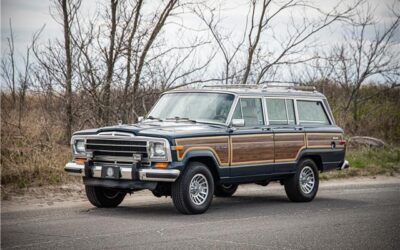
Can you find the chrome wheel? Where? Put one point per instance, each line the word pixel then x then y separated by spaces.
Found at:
pixel 307 180
pixel 198 189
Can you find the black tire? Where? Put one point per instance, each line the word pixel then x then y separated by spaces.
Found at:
pixel 297 192
pixel 180 190
pixel 104 197
pixel 225 190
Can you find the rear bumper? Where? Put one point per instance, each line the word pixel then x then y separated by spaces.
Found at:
pixel 126 173
pixel 344 165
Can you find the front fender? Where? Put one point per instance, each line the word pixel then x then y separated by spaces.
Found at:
pixel 223 171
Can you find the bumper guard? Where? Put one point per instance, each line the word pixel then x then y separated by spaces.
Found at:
pixel 163 175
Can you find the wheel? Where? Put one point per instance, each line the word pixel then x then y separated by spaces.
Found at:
pixel 225 190
pixel 192 192
pixel 104 197
pixel 303 186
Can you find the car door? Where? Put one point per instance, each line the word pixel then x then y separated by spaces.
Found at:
pixel 289 138
pixel 252 151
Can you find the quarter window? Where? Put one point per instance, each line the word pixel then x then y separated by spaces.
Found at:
pixel 250 110
pixel 280 111
pixel 312 112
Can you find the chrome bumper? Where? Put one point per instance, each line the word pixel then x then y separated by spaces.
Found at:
pixel 345 165
pixel 164 175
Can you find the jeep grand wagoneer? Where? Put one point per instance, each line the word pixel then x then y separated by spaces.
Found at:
pixel 197 143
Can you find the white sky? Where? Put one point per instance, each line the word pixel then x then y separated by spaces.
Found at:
pixel 28 16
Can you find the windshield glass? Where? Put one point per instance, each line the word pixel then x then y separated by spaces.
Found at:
pixel 201 107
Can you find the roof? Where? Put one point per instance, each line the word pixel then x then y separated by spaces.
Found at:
pixel 260 91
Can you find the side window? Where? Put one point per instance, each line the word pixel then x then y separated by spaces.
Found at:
pixel 250 110
pixel 311 112
pixel 280 111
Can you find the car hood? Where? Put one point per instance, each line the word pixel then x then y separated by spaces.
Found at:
pixel 161 129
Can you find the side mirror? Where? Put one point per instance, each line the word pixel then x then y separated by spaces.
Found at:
pixel 237 122
pixel 140 118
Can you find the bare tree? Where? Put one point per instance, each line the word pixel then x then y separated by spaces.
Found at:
pixel 8 66
pixel 366 54
pixel 69 9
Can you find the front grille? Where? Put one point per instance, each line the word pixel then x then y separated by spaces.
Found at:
pixel 111 151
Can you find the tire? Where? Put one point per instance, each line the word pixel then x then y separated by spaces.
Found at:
pixel 224 190
pixel 202 181
pixel 104 197
pixel 304 190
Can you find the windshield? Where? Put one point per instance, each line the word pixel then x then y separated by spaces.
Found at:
pixel 199 107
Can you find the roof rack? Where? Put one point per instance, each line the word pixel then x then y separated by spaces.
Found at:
pixel 289 85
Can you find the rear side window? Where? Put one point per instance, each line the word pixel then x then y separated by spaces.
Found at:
pixel 280 111
pixel 250 110
pixel 312 112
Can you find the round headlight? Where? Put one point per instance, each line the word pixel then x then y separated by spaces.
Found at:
pixel 157 150
pixel 79 146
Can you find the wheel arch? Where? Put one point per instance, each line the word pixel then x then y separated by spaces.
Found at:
pixel 207 158
pixel 313 156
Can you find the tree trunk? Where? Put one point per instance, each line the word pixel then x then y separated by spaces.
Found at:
pixel 68 80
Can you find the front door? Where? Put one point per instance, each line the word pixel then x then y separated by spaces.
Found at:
pixel 252 146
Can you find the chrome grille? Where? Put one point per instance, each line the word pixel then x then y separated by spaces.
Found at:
pixel 111 151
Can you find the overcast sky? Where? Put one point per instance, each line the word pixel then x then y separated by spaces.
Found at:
pixel 28 16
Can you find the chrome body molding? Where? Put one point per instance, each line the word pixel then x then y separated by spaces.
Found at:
pixel 162 175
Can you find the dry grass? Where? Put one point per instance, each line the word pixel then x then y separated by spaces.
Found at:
pixel 32 154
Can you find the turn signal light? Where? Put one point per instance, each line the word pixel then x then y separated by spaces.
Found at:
pixel 178 147
pixel 80 161
pixel 161 165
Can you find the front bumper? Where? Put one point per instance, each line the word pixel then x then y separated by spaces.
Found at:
pixel 126 173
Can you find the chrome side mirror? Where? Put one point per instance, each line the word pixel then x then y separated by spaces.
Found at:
pixel 140 118
pixel 237 123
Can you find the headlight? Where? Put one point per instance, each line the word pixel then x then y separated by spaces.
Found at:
pixel 79 146
pixel 157 150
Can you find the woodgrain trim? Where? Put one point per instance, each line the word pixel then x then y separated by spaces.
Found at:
pixel 299 150
pixel 338 146
pixel 249 136
pixel 190 144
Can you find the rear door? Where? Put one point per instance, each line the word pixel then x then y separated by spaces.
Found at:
pixel 289 138
pixel 252 146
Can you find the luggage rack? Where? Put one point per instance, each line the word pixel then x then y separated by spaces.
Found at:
pixel 286 85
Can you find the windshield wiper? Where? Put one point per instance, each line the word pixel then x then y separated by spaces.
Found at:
pixel 177 118
pixel 154 118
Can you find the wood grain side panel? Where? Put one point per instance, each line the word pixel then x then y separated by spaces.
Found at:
pixel 324 140
pixel 219 145
pixel 252 149
pixel 288 146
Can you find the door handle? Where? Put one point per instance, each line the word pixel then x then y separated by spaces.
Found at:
pixel 299 128
pixel 266 129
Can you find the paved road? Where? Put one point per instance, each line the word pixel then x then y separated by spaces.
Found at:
pixel 344 216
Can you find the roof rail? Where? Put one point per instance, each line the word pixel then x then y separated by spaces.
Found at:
pixel 289 85
pixel 234 86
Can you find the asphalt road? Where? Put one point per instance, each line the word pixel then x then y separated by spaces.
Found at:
pixel 352 215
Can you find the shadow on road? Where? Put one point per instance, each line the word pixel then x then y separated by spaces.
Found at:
pixel 237 205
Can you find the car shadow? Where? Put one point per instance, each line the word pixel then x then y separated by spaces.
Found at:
pixel 266 204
